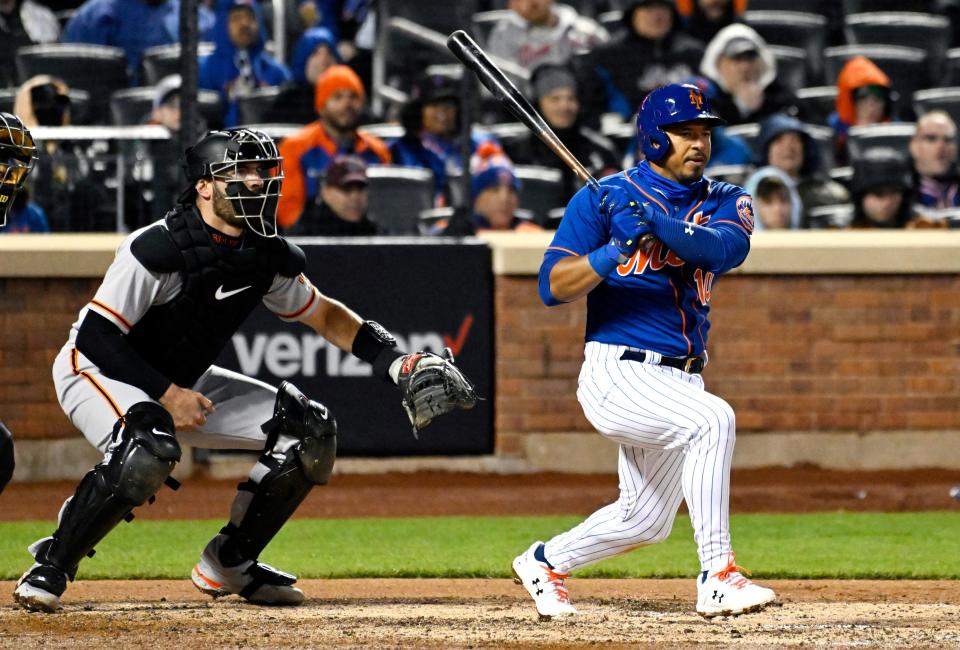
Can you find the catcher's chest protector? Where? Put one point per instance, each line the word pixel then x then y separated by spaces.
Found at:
pixel 221 286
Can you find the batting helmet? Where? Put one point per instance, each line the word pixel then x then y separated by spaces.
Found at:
pixel 671 105
pixel 218 154
pixel 18 155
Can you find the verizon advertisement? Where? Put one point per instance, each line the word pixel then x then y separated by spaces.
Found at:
pixel 429 295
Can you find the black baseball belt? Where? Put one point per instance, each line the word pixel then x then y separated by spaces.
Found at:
pixel 693 365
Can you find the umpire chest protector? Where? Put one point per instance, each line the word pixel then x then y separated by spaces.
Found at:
pixel 221 286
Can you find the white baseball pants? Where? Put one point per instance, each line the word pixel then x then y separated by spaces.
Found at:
pixel 676 441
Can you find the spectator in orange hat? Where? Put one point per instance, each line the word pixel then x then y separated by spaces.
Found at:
pixel 864 96
pixel 307 153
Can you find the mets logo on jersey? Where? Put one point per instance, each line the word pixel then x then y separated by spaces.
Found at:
pixel 745 211
pixel 696 99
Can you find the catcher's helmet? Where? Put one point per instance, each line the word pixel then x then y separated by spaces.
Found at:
pixel 671 105
pixel 216 156
pixel 18 154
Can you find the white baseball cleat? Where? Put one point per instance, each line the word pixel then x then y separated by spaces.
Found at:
pixel 258 583
pixel 40 588
pixel 543 584
pixel 728 593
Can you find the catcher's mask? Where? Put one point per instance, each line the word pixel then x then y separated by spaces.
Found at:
pixel 219 156
pixel 18 155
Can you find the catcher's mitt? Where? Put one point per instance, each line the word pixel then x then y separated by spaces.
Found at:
pixel 431 385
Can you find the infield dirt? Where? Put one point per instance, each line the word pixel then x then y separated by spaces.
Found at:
pixel 496 613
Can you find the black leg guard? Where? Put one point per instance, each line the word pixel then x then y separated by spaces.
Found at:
pixel 143 453
pixel 300 452
pixel 6 456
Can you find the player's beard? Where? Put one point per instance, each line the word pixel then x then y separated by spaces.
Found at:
pixel 223 208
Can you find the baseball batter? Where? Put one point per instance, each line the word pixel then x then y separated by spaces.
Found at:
pixel 136 375
pixel 646 337
pixel 18 155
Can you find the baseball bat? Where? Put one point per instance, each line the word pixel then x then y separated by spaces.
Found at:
pixel 476 60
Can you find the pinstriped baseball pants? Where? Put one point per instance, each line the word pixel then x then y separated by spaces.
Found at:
pixel 676 442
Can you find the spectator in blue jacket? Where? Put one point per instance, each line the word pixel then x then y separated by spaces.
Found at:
pixel 239 62
pixel 26 216
pixel 133 25
pixel 314 54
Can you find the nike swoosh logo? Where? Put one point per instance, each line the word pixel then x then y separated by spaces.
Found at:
pixel 160 433
pixel 221 294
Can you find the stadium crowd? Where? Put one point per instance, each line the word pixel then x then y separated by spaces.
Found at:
pixel 840 113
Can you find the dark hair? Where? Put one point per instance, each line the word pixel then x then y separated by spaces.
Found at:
pixel 772 186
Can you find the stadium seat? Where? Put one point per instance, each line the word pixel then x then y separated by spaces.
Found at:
pixel 906 67
pixel 397 197
pixel 839 215
pixel 895 136
pixel 131 106
pixel 403 57
pixel 541 190
pixel 428 219
pixel 792 67
pixel 254 107
pixel 924 31
pixel 863 6
pixel 483 22
pixel 79 104
pixel 793 28
pixel 816 103
pixel 164 60
pixel 951 65
pixel 944 99
pixel 819 7
pixel 98 69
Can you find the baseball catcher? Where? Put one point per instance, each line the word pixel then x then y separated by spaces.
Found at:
pixel 17 158
pixel 136 375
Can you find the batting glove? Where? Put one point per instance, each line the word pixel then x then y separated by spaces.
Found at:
pixel 629 221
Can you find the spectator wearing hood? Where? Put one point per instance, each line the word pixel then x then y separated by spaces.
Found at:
pixel 864 96
pixel 539 31
pixel 775 200
pixel 133 25
pixel 315 52
pixel 651 52
pixel 933 149
pixel 703 19
pixel 23 23
pixel 338 98
pixel 239 62
pixel 882 190
pixel 785 144
pixel 743 75
pixel 555 96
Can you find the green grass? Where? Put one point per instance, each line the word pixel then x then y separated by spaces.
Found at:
pixel 823 545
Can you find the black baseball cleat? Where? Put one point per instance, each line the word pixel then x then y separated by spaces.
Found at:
pixel 40 588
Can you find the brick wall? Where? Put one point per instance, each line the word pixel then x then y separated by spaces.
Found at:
pixel 789 352
pixel 35 317
pixel 800 353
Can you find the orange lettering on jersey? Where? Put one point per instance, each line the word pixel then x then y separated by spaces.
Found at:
pixel 704 285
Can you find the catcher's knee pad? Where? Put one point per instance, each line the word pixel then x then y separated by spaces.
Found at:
pixel 144 454
pixel 6 456
pixel 311 424
pixel 141 457
pixel 300 451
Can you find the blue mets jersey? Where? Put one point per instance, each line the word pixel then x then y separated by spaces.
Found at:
pixel 656 301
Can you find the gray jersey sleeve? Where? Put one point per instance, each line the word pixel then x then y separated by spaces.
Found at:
pixel 128 289
pixel 292 299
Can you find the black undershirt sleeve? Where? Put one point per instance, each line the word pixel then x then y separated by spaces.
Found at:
pixel 107 346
